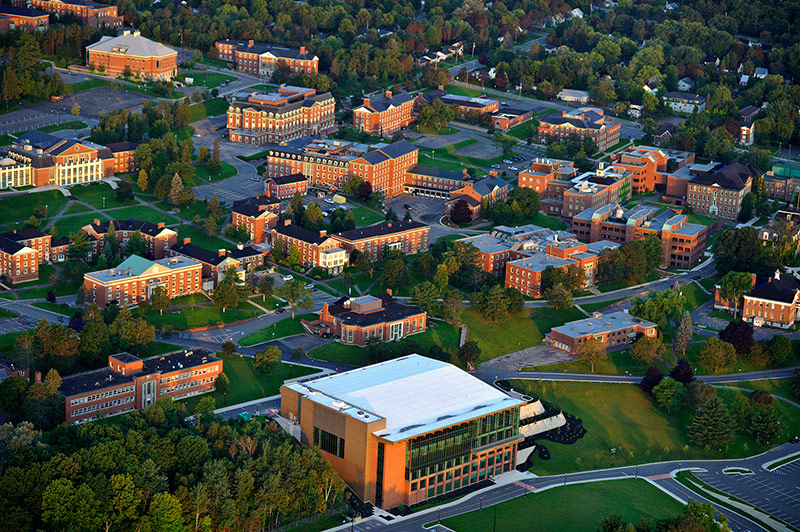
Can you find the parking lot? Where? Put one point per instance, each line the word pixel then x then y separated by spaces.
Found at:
pixel 424 209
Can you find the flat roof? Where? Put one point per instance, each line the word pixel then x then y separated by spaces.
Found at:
pixel 605 323
pixel 409 393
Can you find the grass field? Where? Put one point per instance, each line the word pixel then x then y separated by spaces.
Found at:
pixel 144 213
pixel 58 308
pixel 77 208
pixel 521 131
pixel 618 285
pixel 247 383
pixel 202 174
pixel 579 508
pixel 202 110
pixel 186 318
pixel 363 281
pixel 701 219
pixel 188 213
pixel 622 417
pixel 261 87
pixel 60 127
pixel 95 83
pixel 208 79
pixel 6 139
pixel 364 216
pixel 462 91
pixel 777 387
pixel 615 363
pixel 709 282
pixel 444 164
pixel 20 208
pixel 592 307
pixel 40 292
pixel 158 348
pixel 286 327
pixel 529 327
pixel 67 225
pixel 8 340
pixel 425 130
pixel 694 295
pixel 199 237
pixel 442 335
pixel 96 194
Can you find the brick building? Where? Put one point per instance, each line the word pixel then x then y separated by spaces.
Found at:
pixel 18 262
pixel 331 164
pixel 434 182
pixel 157 237
pixel 585 123
pixel 614 329
pixel 129 383
pixel 408 236
pixel 773 301
pixel 38 159
pixel 263 59
pixel 465 103
pixel 384 115
pixel 130 51
pixel 508 117
pixel 488 191
pixel 124 160
pixel 91 13
pixel 684 243
pixel 258 215
pixel 9 368
pixel 285 114
pixel 32 238
pixel 648 166
pixel 720 191
pixel 13 18
pixel 216 263
pixel 360 319
pixel 135 278
pixel 395 438
pixel 316 249
pixel 285 186
pixel 783 181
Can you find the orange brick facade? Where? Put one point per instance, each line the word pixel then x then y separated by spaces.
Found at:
pixel 91 13
pixel 609 334
pixel 384 116
pixel 22 19
pixel 263 59
pixel 117 54
pixel 585 123
pixel 648 166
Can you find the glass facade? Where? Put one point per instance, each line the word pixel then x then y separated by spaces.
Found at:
pixel 452 446
pixel 330 443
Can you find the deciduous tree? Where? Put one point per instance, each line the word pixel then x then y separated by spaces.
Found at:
pixel 591 351
pixel 469 353
pixel 648 349
pixel 266 360
pixel 160 300
pixel 717 355
pixel 669 394
pixel 559 297
pixel 733 286
pixel 298 297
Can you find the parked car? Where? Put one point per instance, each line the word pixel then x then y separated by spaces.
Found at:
pixel 329 200
pixel 407 207
pixel 514 168
pixel 287 278
pixel 310 286
pixel 255 178
pixel 280 311
pixel 507 161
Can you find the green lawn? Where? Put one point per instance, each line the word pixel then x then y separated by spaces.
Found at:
pixel 202 175
pixel 6 139
pixel 158 348
pixel 529 327
pixel 462 91
pixel 285 327
pixel 5 313
pixel 202 110
pixel 77 208
pixel 615 363
pixel 58 308
pixel 618 285
pixel 426 130
pixel 66 125
pixel 99 196
pixel 20 208
pixel 521 131
pixel 364 216
pixel 40 292
pixel 188 213
pixel 208 79
pixel 186 318
pixel 694 295
pixel 443 335
pixel 67 225
pixel 701 219
pixel 444 164
pixel 577 508
pixel 542 220
pixel 7 341
pixel 261 87
pixel 199 237
pixel 144 213
pixel 600 305
pixel 709 282
pixel 622 417
pixel 248 384
pixel 363 281
pixel 95 83
pixel 777 387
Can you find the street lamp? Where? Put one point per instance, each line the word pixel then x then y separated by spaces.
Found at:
pixel 481 506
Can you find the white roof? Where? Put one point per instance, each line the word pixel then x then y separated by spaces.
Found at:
pixel 414 394
pixel 131 44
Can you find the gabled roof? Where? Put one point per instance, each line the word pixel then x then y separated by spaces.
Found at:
pixel 193 251
pixel 27 233
pixel 131 44
pixel 117 147
pixel 485 186
pixel 288 179
pixel 131 224
pixel 731 176
pixel 11 247
pixel 435 172
pixel 379 104
pixel 22 11
pixel 381 229
pixel 251 206
pixel 138 265
pixel 246 251
pixel 301 234
pixel 781 288
pixel 398 149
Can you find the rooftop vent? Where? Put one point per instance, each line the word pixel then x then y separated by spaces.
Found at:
pixel 339 405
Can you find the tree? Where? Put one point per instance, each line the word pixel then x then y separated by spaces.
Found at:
pixel 460 213
pixel 136 245
pixel 682 372
pixel 766 424
pixel 699 393
pixel 716 355
pixel 469 353
pixel 160 300
pixel 76 110
pixel 713 425
pixel 684 335
pixel 740 250
pixel 228 347
pixel 124 191
pixel 452 307
pixel 651 379
pixel 227 292
pixel 175 189
pixel 780 349
pixel 442 276
pixel 298 297
pixel 739 334
pixel 215 164
pixel 297 353
pixel 395 273
pixel 733 286
pixel 662 307
pixel 591 350
pixel 165 514
pixel 493 303
pixel 266 360
pixel 210 226
pixel 266 286
pixel 648 349
pixel 669 394
pixel 559 297
pixel 222 383
pixel 363 264
pixel 424 295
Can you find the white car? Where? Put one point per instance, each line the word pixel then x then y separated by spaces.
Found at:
pixel 287 278
pixel 329 200
pixel 255 178
pixel 310 286
pixel 507 161
pixel 514 168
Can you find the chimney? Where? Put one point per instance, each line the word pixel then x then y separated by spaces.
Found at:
pixel 287 222
pixel 389 291
pixel 262 208
pixel 161 225
pixel 493 173
pixel 96 222
pixel 753 279
pixel 222 252
pixel 441 87
pixel 366 102
pixel 37 377
pixel 323 233
pixel 187 241
pixel 777 275
pixel 302 50
pixel 388 95
pixel 251 43
pixel 15 231
pixel 240 246
pixel 465 172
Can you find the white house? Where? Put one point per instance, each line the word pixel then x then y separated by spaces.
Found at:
pixel 685 84
pixel 572 95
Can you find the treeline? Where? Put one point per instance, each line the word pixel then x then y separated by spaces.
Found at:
pixel 23 75
pixel 155 470
pixel 631 261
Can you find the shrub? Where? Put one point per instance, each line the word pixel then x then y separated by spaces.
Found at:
pixel 761 398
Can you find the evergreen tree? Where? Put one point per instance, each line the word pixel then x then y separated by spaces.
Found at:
pixel 766 424
pixel 215 164
pixel 175 189
pixel 684 336
pixel 713 425
pixel 227 292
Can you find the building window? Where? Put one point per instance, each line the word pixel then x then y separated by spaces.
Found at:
pixel 330 443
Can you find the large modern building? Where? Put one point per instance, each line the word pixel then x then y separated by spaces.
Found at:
pixel 406 430
pixel 331 163
pixel 132 52
pixel 134 280
pixel 285 114
pixel 358 320
pixel 720 191
pixel 263 59
pixel 130 383
pixel 91 13
pixel 13 18
pixel 384 115
pixel 585 123
pixel 39 159
pixel 648 166
pixel 684 243
pixel 614 329
pixel 782 181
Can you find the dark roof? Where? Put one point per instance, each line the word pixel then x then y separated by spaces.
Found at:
pixel 63 241
pixel 23 234
pixel 37 139
pixel 193 251
pixel 288 179
pixel 469 200
pixel 398 149
pixel 246 251
pixel 9 246
pixel 436 172
pixel 131 224
pixel 301 234
pixel 22 11
pixel 260 48
pixel 392 311
pixel 250 206
pixel 381 103
pixel 781 289
pixel 177 360
pixel 679 95
pixel 125 358
pixel 381 229
pixel 117 147
pixel 375 157
pixel 558 119
pixel 92 381
pixel 732 176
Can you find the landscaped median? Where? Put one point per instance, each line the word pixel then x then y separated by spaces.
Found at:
pixel 280 329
